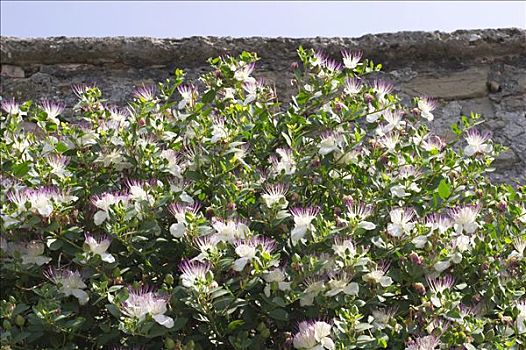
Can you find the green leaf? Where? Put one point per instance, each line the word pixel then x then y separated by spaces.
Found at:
pixel 20 170
pixel 232 326
pixel 279 314
pixel 444 190
pixel 208 96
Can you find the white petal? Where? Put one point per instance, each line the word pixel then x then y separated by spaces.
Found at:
pixel 81 295
pixel 442 265
pixel 240 263
pixel 100 217
pixel 177 230
pixel 107 257
pixel 328 343
pixel 298 233
pixel 163 320
pixel 352 289
pixel 386 281
pixel 470 150
pixel 366 225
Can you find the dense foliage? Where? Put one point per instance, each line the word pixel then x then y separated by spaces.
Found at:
pixel 211 215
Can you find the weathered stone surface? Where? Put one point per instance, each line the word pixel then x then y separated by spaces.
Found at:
pixel 11 71
pixel 468 83
pixel 482 71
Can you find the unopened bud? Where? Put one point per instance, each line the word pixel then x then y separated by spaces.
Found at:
pixel 419 288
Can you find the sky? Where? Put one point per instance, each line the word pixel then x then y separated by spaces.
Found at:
pixel 165 19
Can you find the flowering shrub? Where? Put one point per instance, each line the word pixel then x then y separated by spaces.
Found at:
pixel 213 216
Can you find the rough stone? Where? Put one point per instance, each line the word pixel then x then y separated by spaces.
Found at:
pixel 11 71
pixel 469 83
pixel 481 71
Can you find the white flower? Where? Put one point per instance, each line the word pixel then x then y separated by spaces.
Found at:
pixel 103 202
pixel 429 342
pixel 188 94
pixel 275 196
pixel 286 163
pixel 330 142
pixel 344 248
pixel 246 252
pixel 398 191
pixel 275 276
pixel 442 265
pixel 243 73
pixel 378 276
pixel 99 247
pixel 230 230
pixel 426 106
pixel 465 218
pixel 69 283
pixel 401 221
pixel 302 222
pixel 358 212
pixel 521 317
pixel 352 86
pixel 351 59
pixel 313 288
pixel 174 166
pixel 520 245
pixel 340 283
pixel 179 211
pixel 477 142
pixel 219 131
pixel 194 273
pixel 32 254
pixel 438 222
pixel 313 335
pixel 143 302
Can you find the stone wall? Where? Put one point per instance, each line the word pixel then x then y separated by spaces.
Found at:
pixel 483 71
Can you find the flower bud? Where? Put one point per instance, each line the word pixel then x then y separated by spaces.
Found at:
pixel 6 325
pixel 294 65
pixel 20 320
pixel 169 279
pixel 368 98
pixel 415 258
pixel 169 343
pixel 419 288
pixel 502 206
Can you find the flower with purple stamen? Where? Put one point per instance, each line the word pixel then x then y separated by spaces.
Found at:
pixel 332 65
pixel 275 195
pixel 401 221
pixel 520 322
pixel 194 272
pixel 69 283
pixel 302 222
pixel 230 230
pixel 313 335
pixel 426 106
pixel 379 275
pixel 440 284
pixel 179 211
pixel 58 164
pixel 465 218
pixel 243 73
pixel 352 86
pixel 319 58
pixel 330 141
pixel 207 245
pixel 52 109
pixel 286 163
pixel 382 88
pixel 81 89
pixel 99 246
pixel 341 283
pixel 428 342
pixel 10 106
pixel 477 142
pixel 433 143
pixel 104 201
pixel 189 95
pixel 145 301
pixel 440 222
pixel 358 212
pixel 32 253
pixel 145 92
pixel 351 58
pixel 382 316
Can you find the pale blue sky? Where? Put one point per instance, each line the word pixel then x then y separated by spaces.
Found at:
pixel 241 19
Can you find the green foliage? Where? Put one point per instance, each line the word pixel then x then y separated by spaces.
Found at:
pixel 220 217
